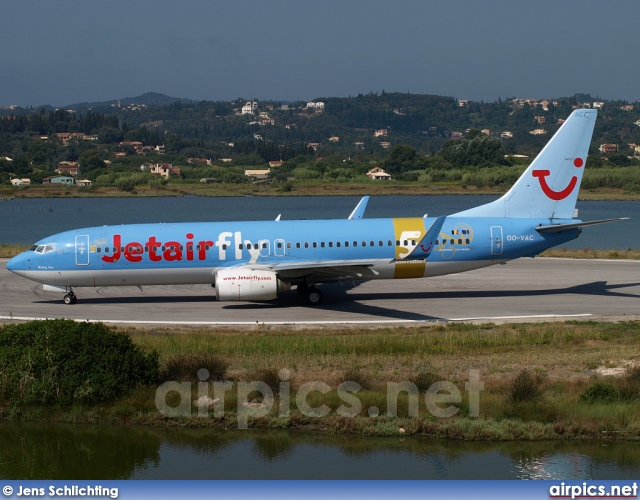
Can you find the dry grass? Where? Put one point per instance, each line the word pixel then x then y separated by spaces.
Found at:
pixel 590 253
pixel 562 351
pixel 8 250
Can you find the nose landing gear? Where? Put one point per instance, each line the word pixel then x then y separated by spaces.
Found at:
pixel 70 298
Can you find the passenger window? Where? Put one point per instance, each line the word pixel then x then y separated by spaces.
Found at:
pixel 207 247
pixel 437 242
pixel 288 245
pixel 373 243
pixel 406 243
pixel 452 242
pixel 331 244
pixel 467 241
pixel 459 241
pixel 338 244
pixel 99 250
pixel 315 245
pixel 322 244
pixel 297 245
pixel 240 246
pixel 355 243
pixel 346 243
pixel 397 243
pixel 264 245
pixel 279 245
pixel 306 244
pixel 389 243
pixel 224 247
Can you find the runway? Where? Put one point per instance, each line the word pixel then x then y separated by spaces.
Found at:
pixel 520 291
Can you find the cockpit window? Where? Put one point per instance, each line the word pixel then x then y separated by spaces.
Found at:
pixel 49 247
pixel 33 248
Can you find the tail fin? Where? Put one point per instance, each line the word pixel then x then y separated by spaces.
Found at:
pixel 549 187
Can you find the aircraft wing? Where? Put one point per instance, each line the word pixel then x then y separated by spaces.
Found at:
pixel 324 270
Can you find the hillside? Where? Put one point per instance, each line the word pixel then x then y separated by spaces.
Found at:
pixel 326 140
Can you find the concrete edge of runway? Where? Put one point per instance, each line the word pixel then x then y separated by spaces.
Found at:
pixel 337 325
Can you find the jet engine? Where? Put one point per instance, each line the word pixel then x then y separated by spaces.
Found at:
pixel 245 284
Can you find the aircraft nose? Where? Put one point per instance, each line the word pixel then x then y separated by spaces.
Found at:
pixel 16 265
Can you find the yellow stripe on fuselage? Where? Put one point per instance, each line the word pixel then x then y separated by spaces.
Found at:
pixel 408 230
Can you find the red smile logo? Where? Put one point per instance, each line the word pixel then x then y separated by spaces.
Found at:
pixel 557 195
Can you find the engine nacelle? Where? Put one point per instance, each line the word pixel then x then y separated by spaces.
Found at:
pixel 243 284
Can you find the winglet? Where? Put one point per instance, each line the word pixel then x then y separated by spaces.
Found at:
pixel 428 242
pixel 358 212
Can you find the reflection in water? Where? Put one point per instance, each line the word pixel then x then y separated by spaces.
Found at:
pixel 58 451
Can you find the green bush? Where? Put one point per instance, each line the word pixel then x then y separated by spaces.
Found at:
pixel 599 392
pixel 526 387
pixel 61 361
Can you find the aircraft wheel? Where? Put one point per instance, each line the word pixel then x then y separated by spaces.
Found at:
pixel 70 298
pixel 314 296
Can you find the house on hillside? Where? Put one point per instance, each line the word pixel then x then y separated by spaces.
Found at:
pixel 378 174
pixel 59 179
pixel 67 168
pixel 608 148
pixel 165 170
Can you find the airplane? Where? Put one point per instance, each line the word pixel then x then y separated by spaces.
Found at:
pixel 258 260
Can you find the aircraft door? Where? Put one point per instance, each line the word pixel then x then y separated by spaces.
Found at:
pixel 279 248
pixel 496 240
pixel 265 248
pixel 82 250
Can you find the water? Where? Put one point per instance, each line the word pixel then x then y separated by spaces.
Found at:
pixel 31 219
pixel 59 451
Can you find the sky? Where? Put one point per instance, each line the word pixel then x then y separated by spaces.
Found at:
pixel 69 51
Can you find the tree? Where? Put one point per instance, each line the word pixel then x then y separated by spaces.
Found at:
pixel 90 160
pixel 479 150
pixel 37 152
pixel 401 159
pixel 109 135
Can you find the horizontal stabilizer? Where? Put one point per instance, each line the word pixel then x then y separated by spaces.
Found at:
pixel 558 228
pixel 358 212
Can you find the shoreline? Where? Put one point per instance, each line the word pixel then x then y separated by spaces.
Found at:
pixel 239 190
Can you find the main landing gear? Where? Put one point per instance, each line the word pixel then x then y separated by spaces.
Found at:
pixel 70 298
pixel 311 294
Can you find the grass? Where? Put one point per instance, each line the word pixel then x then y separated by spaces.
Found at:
pixel 590 253
pixel 534 376
pixel 8 250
